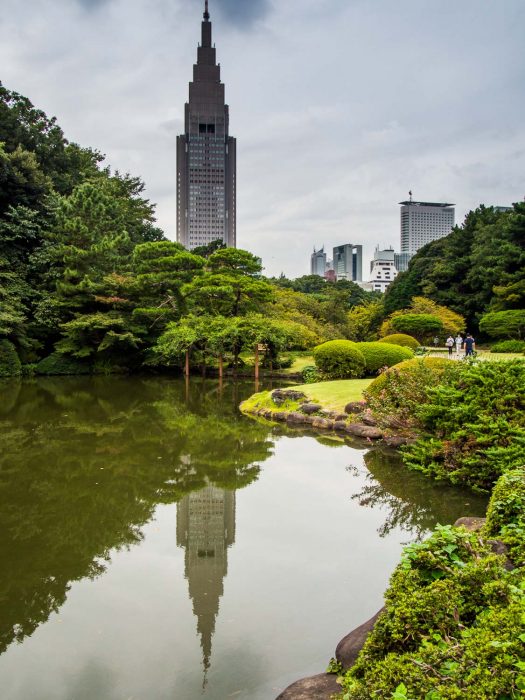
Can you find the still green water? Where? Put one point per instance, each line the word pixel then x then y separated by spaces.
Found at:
pixel 157 545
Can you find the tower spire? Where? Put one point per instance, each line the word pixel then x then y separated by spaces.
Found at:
pixel 206 14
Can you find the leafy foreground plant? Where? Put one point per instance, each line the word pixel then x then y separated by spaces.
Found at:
pixel 453 626
pixel 474 424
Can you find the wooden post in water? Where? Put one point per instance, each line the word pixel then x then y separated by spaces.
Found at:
pixel 257 362
pixel 187 364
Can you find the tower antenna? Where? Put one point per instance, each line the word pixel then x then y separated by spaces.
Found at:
pixel 206 13
pixel 409 191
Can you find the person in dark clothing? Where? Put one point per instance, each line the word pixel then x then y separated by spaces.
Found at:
pixel 470 345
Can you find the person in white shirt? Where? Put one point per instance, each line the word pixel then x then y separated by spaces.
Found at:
pixel 459 343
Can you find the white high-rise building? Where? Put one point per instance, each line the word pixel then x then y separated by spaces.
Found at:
pixel 423 222
pixel 318 262
pixel 348 262
pixel 382 270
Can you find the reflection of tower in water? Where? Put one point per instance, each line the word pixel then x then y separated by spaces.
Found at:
pixel 206 528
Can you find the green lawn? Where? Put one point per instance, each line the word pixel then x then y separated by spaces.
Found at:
pixel 335 395
pixel 300 362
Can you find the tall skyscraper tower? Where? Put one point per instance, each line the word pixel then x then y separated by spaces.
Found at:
pixel 348 262
pixel 423 222
pixel 206 156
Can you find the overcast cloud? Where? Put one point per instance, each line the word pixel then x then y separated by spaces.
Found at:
pixel 339 107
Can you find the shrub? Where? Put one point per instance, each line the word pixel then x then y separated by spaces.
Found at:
pixel 379 355
pixel 504 324
pixel 422 326
pixel 310 374
pixel 506 513
pixel 10 365
pixel 406 341
pixel 58 364
pixel 509 346
pixel 339 359
pixel 474 424
pixel 395 395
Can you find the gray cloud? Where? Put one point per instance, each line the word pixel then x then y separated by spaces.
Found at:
pixel 242 13
pixel 339 108
pixel 93 4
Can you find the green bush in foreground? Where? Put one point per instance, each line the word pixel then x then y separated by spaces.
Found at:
pixel 506 513
pixel 406 341
pixel 509 346
pixel 396 394
pixel 451 629
pixel 474 424
pixel 339 359
pixel 378 355
pixel 58 364
pixel 10 365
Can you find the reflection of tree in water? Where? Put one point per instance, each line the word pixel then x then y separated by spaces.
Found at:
pixel 85 461
pixel 414 502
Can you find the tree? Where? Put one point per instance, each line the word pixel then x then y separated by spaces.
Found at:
pixel 420 326
pixel 364 320
pixel 452 322
pixel 504 324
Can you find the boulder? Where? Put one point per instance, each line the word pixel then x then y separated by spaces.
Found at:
pixel 349 647
pixel 320 687
pixel 310 408
pixel 340 425
pixel 365 431
pixel 396 440
pixel 279 416
pixel 470 523
pixel 368 419
pixel 355 407
pixel 279 396
pixel 297 418
pixel 339 416
pixel 324 423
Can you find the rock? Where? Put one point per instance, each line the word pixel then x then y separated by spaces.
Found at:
pixel 355 407
pixel 279 396
pixel 310 408
pixel 320 687
pixel 279 416
pixel 339 416
pixel 365 431
pixel 349 647
pixel 396 440
pixel 470 523
pixel 324 423
pixel 368 419
pixel 340 425
pixel 267 413
pixel 295 417
pixel 499 547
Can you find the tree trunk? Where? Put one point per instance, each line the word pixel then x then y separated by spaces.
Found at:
pixel 220 366
pixel 256 362
pixel 187 364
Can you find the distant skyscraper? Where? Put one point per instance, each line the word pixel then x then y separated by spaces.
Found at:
pixel 318 262
pixel 423 222
pixel 348 262
pixel 206 156
pixel 382 270
pixel 401 261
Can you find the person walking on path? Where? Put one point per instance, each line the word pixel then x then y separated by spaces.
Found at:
pixel 436 341
pixel 459 343
pixel 450 345
pixel 470 345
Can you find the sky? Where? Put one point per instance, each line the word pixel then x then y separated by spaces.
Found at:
pixel 339 107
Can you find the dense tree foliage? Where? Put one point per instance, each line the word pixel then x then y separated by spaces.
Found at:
pixel 479 267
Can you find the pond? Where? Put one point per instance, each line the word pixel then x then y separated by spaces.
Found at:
pixel 155 544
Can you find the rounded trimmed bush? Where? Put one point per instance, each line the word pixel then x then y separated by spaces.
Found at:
pixel 58 364
pixel 10 365
pixel 379 355
pixel 509 346
pixel 406 341
pixel 339 359
pixel 429 368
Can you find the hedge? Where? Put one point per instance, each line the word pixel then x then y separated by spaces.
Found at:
pixel 339 359
pixel 509 346
pixel 406 341
pixel 378 355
